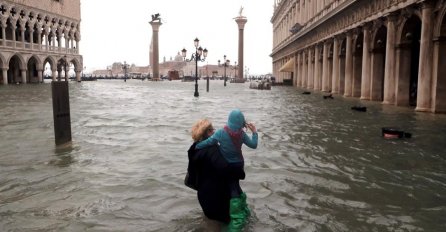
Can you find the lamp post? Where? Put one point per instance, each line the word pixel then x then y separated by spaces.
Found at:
pixel 196 57
pixel 225 64
pixel 125 67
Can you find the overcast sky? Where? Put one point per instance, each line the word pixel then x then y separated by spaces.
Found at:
pixel 118 31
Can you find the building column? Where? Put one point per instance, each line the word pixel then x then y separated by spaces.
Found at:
pixel 390 66
pixel 425 66
pixel 23 76
pixel 39 75
pixel 298 72
pixel 3 25
pixel 78 75
pixel 31 37
pixel 5 76
pixel 55 73
pixel 316 67
pixel 39 38
pixel 310 69
pixel 335 74
pixel 22 34
pixel 14 27
pixel 365 75
pixel 325 72
pixel 348 65
pixel 296 69
pixel 305 69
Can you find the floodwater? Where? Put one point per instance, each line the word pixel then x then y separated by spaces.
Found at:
pixel 319 165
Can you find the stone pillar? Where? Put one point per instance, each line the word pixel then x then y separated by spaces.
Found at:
pixel 14 27
pixel 365 75
pixel 389 69
pixel 425 65
pixel 23 76
pixel 40 75
pixel 54 75
pixel 299 70
pixel 294 73
pixel 39 38
pixel 155 57
pixel 5 76
pixel 325 71
pixel 22 34
pixel 78 76
pixel 310 69
pixel 31 38
pixel 335 74
pixel 305 70
pixel 3 25
pixel 348 65
pixel 241 21
pixel 316 67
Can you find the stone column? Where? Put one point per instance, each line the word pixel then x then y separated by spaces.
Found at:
pixel 348 65
pixel 23 76
pixel 298 73
pixel 305 69
pixel 241 21
pixel 155 57
pixel 5 76
pixel 3 25
pixel 390 65
pixel 39 75
pixel 316 67
pixel 31 37
pixel 54 76
pixel 335 74
pixel 425 65
pixel 14 27
pixel 22 34
pixel 296 69
pixel 365 75
pixel 78 75
pixel 325 71
pixel 310 69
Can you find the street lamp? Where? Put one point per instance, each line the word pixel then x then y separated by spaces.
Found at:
pixel 196 57
pixel 125 67
pixel 225 64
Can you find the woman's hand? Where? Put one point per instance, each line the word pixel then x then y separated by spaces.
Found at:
pixel 251 127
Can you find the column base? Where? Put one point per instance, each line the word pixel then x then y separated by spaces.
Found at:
pixel 423 109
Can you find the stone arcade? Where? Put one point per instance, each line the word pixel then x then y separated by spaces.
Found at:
pixel 39 34
pixel 392 51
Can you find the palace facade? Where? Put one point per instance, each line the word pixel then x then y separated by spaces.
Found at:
pixel 392 51
pixel 39 35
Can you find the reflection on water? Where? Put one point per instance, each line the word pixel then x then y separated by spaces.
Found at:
pixel 319 166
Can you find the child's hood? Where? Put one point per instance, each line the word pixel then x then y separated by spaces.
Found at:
pixel 236 120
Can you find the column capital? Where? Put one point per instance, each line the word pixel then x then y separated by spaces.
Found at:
pixel 155 25
pixel 241 21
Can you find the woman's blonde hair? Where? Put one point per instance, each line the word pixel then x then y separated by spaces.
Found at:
pixel 200 128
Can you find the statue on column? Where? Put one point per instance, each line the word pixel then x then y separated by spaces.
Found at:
pixel 156 17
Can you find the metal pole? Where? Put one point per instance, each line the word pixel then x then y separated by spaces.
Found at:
pixel 196 73
pixel 225 72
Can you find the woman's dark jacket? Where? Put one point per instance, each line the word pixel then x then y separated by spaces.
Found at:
pixel 209 174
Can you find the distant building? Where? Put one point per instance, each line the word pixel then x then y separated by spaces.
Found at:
pixel 38 37
pixel 176 64
pixel 387 51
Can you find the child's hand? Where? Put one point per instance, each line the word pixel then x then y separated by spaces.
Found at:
pixel 251 127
